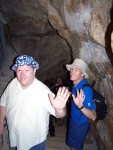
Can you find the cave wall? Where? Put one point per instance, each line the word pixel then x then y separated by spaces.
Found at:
pixel 86 26
pixel 29 25
pixel 57 31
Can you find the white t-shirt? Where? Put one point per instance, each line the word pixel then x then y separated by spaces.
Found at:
pixel 27 112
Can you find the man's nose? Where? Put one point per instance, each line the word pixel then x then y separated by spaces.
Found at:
pixel 23 73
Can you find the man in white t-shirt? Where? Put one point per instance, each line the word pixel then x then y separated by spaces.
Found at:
pixel 27 104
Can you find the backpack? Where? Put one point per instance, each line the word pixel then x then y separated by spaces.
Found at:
pixel 99 101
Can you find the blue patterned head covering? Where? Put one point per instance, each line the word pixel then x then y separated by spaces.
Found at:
pixel 25 60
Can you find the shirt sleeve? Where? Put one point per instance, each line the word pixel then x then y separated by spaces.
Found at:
pixel 88 102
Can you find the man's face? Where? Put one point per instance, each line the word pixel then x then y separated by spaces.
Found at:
pixel 76 75
pixel 25 75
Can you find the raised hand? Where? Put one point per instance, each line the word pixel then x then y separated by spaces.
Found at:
pixel 61 98
pixel 78 100
pixel 59 102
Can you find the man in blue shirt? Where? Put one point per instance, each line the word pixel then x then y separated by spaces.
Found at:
pixel 82 108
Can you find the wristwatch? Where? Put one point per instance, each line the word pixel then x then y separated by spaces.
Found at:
pixel 81 107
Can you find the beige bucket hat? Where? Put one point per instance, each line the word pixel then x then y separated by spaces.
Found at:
pixel 79 63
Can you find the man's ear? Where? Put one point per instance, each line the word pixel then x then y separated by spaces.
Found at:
pixel 34 71
pixel 82 75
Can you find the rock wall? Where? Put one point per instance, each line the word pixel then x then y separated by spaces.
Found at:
pixel 85 25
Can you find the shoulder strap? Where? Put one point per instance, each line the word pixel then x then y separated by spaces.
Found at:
pixel 85 85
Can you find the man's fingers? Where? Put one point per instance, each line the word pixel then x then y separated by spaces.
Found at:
pixel 67 95
pixel 73 96
pixel 62 91
pixel 82 94
pixel 77 92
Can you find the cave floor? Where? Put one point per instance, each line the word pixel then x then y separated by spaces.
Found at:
pixel 58 142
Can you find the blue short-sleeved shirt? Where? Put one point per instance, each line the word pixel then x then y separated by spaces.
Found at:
pixel 76 115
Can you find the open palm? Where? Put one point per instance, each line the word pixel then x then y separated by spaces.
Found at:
pixel 59 102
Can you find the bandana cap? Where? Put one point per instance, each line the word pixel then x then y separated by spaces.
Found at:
pixel 25 60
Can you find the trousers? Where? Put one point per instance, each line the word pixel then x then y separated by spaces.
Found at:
pixel 40 146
